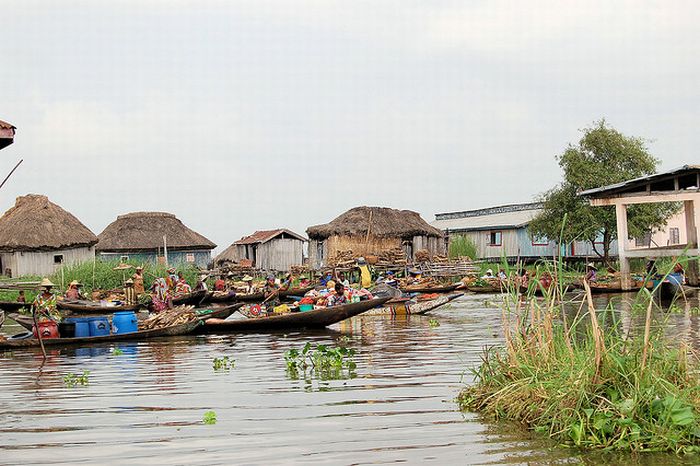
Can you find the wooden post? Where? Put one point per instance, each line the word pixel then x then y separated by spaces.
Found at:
pixel 622 235
pixel 691 232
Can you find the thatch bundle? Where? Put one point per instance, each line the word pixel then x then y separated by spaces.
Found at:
pixel 37 224
pixel 380 222
pixel 145 230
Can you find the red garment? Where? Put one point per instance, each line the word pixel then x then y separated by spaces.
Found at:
pixel 220 285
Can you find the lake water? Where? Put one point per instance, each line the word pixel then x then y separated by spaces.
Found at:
pixel 146 405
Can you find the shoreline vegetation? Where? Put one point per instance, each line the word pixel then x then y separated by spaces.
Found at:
pixel 583 382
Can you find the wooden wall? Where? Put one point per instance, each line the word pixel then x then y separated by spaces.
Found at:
pixel 42 262
pixel 279 254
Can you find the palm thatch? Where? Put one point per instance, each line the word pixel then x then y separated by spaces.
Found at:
pixel 144 231
pixel 37 224
pixel 380 222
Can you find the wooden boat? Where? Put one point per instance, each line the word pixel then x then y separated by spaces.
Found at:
pixel 430 289
pixel 257 297
pixel 93 307
pixel 25 321
pixel 295 320
pixel 412 307
pixel 174 330
pixel 669 290
pixel 12 306
pixel 195 298
pixel 612 287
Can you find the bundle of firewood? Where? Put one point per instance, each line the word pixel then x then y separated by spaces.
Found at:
pixel 175 316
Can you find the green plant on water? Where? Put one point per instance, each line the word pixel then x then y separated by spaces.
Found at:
pixel 209 418
pixel 70 380
pixel 584 381
pixel 223 363
pixel 434 323
pixel 321 362
pixel 117 352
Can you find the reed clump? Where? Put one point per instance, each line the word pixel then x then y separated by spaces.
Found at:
pixel 582 381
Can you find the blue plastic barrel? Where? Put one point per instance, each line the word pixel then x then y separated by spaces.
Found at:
pixel 99 326
pixel 124 322
pixel 82 327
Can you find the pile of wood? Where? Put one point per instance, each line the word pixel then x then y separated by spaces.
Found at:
pixel 394 256
pixel 297 270
pixel 175 316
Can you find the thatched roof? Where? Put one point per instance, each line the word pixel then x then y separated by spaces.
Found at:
pixel 385 223
pixel 230 254
pixel 141 231
pixel 35 223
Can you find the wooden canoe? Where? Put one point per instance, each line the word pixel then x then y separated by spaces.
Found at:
pixel 257 297
pixel 395 307
pixel 484 289
pixel 194 298
pixel 25 321
pixel 429 289
pixel 295 320
pixel 93 307
pixel 12 306
pixel 174 330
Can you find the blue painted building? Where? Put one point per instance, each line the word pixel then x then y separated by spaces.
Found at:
pixel 156 237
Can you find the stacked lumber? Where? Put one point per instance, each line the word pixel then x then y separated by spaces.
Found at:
pixel 395 256
pixel 175 316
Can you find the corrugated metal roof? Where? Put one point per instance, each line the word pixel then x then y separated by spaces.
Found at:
pixel 613 188
pixel 263 236
pixel 495 218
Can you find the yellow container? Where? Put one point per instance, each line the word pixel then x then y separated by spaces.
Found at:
pixel 281 309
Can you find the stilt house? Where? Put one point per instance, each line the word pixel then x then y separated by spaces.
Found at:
pixel 266 250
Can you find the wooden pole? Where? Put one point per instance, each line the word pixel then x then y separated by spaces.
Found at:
pixel 691 232
pixel 622 235
pixel 10 174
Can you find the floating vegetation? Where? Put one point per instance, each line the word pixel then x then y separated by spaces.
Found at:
pixel 322 362
pixel 434 323
pixel 586 382
pixel 209 418
pixel 223 364
pixel 70 380
pixel 117 352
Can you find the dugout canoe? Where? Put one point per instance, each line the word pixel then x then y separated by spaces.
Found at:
pixel 413 307
pixel 93 307
pixel 174 330
pixel 12 306
pixel 257 297
pixel 430 289
pixel 195 298
pixel 317 318
pixel 484 289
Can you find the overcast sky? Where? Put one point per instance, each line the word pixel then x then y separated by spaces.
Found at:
pixel 239 116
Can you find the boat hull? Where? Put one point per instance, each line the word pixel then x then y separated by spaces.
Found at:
pixel 84 308
pixel 413 308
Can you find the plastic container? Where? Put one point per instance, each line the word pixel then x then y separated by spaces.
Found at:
pixel 306 307
pixel 66 329
pixel 124 322
pixel 99 326
pixel 82 328
pixel 48 329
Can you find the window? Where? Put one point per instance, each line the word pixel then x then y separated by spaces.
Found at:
pixel 540 241
pixel 58 259
pixel 494 238
pixel 189 258
pixel 644 241
pixel 674 235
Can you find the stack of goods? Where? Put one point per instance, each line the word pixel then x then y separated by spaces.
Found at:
pixel 297 270
pixel 394 256
pixel 116 294
pixel 438 259
pixel 175 316
pixel 422 255
pixel 342 258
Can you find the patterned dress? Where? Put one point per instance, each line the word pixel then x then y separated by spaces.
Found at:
pixel 45 307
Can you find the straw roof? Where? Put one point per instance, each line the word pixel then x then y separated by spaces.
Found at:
pixel 35 223
pixel 230 254
pixel 139 231
pixel 385 222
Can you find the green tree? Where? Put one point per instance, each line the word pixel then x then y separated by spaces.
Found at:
pixel 602 157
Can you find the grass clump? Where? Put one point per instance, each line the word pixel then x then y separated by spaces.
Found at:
pixel 323 362
pixel 582 382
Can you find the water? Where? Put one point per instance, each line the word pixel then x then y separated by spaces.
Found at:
pixel 147 404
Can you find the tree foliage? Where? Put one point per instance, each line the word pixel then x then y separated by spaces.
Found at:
pixel 602 157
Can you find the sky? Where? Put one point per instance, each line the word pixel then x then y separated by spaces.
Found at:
pixel 239 116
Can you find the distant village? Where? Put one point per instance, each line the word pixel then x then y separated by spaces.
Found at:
pixel 37 236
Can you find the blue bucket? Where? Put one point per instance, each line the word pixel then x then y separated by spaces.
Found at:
pixel 82 327
pixel 124 322
pixel 99 326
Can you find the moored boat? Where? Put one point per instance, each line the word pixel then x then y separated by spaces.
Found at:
pixel 412 307
pixel 11 306
pixel 484 289
pixel 256 297
pixel 430 289
pixel 94 307
pixel 194 298
pixel 294 320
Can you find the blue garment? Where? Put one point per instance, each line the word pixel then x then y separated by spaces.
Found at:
pixel 326 279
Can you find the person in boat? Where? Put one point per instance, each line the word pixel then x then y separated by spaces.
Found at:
pixel 160 295
pixel 304 282
pixel 502 275
pixel 287 283
pixel 488 275
pixel 415 276
pixel 202 283
pixel 326 278
pixel 338 297
pixel 181 287
pixel 171 279
pixel 137 278
pixel 247 284
pixel 651 269
pixel 591 272
pixel 390 279
pixel 45 302
pixel 342 279
pixel 522 279
pixel 546 280
pixel 677 277
pixel 130 295
pixel 21 298
pixel 73 292
pixel 271 291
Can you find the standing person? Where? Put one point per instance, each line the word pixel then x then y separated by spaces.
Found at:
pixel 172 278
pixel 137 278
pixel 130 292
pixel 160 295
pixel 272 292
pixel 21 298
pixel 73 292
pixel 45 302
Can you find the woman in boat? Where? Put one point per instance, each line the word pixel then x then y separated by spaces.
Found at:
pixel 287 283
pixel 130 292
pixel 678 275
pixel 591 273
pixel 326 278
pixel 181 287
pixel 272 292
pixel 343 280
pixel 160 295
pixel 220 283
pixel 304 282
pixel 73 292
pixel 248 284
pixel 137 278
pixel 338 297
pixel 171 279
pixel 45 302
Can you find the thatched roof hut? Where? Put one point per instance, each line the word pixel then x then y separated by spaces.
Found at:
pixel 381 222
pixel 37 224
pixel 144 231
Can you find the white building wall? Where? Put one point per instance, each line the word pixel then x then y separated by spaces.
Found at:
pixel 43 263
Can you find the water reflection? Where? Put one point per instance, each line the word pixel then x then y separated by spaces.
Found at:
pixel 145 405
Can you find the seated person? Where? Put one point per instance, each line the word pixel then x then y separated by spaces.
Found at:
pixel 488 275
pixel 220 284
pixel 73 292
pixel 338 297
pixel 591 272
pixel 304 282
